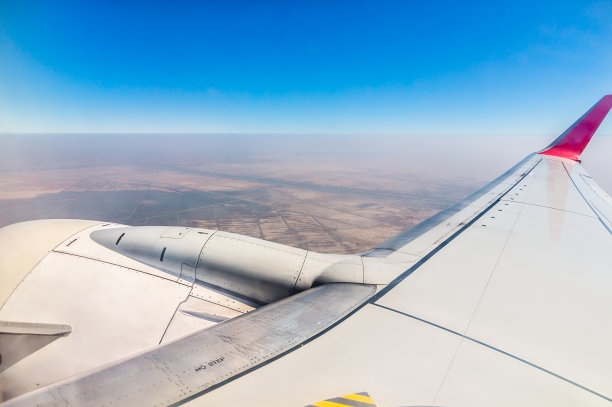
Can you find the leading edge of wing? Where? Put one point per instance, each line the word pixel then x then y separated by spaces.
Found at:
pixel 508 178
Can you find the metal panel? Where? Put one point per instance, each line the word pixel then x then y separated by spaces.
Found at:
pixel 20 339
pixel 397 360
pixel 321 268
pixel 24 244
pixel 597 198
pixel 32 328
pixel 479 376
pixel 548 300
pixel 175 232
pixel 384 270
pixel 259 270
pixel 114 312
pixel 447 287
pixel 190 366
pixel 195 314
pixel 231 302
pixel 400 361
pixel 148 245
pixel 82 245
pixel 549 186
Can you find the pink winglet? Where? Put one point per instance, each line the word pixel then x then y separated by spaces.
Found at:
pixel 573 142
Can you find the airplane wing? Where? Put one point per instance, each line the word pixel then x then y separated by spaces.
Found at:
pixel 502 299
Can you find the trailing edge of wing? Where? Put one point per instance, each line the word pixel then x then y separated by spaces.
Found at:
pixel 574 140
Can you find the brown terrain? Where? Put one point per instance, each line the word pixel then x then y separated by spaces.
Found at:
pixel 314 194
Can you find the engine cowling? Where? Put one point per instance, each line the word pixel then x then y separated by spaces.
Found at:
pixel 254 270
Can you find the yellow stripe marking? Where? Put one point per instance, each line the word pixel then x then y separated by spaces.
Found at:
pixel 329 404
pixel 359 397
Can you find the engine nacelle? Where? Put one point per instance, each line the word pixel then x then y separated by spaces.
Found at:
pixel 253 270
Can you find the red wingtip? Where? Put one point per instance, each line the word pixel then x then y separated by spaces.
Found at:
pixel 574 140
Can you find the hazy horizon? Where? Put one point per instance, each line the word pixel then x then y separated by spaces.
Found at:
pixel 255 184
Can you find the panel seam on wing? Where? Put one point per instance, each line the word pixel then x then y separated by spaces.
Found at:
pixel 491 347
pixel 586 200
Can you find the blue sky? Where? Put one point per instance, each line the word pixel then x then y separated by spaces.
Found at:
pixel 302 67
